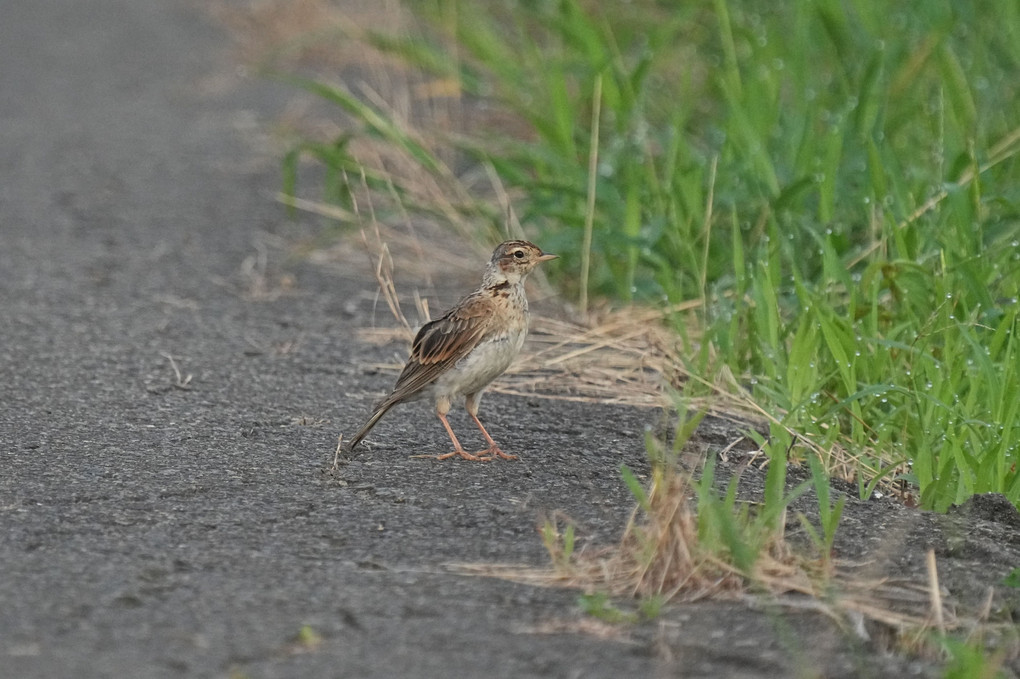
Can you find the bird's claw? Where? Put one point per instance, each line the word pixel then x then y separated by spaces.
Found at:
pixel 492 453
pixel 462 453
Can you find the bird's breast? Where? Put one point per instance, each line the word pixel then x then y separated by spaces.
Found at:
pixel 485 363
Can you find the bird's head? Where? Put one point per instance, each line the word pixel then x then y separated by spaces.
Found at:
pixel 512 260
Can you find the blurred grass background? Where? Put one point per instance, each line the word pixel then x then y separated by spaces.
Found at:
pixel 835 183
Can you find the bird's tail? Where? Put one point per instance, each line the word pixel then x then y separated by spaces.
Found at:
pixel 379 412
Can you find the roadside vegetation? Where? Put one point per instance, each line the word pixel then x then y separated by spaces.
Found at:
pixel 822 198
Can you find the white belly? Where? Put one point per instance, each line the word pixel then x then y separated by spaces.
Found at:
pixel 484 364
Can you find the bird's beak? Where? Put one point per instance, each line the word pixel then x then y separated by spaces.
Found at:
pixel 545 257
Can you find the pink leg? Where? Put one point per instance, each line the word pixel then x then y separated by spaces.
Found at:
pixel 494 450
pixel 457 448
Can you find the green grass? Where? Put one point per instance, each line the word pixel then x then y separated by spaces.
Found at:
pixel 970 660
pixel 836 181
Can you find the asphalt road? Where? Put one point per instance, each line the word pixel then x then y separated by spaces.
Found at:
pixel 152 528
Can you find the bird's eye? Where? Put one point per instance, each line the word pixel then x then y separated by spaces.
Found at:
pixel 519 254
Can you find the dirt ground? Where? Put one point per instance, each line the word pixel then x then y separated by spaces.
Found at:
pixel 175 371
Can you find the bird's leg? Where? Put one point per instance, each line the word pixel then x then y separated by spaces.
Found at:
pixel 457 448
pixel 494 450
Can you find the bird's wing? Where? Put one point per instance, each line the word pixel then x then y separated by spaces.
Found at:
pixel 442 342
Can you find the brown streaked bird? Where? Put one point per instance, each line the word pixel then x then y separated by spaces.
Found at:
pixel 461 353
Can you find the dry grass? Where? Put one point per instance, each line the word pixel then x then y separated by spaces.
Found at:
pixel 293 36
pixel 661 555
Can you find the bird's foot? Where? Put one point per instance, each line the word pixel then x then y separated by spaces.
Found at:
pixel 462 453
pixel 493 452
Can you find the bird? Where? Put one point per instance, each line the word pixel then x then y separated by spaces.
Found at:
pixel 463 351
